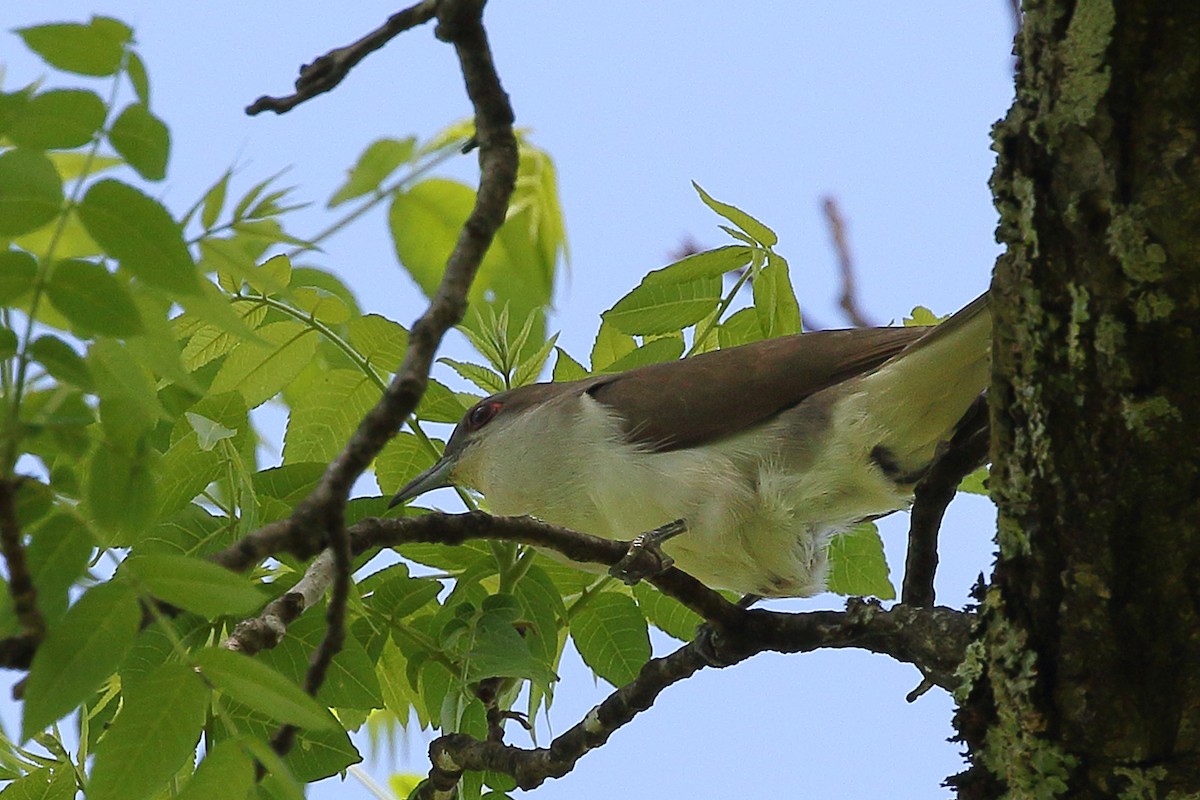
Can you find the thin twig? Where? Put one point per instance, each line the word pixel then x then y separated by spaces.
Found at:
pixel 841 246
pixel 328 70
pixel 966 451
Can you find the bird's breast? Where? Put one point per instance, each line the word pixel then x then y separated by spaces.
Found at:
pixel 760 506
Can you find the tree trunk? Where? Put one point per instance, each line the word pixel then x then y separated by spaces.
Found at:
pixel 1085 677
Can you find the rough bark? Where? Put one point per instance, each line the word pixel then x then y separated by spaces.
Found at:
pixel 1085 677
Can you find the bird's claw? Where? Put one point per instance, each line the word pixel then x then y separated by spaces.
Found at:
pixel 645 557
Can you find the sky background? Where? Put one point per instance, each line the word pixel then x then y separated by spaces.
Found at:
pixel 769 106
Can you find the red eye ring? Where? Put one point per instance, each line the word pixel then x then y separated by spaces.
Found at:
pixel 482 414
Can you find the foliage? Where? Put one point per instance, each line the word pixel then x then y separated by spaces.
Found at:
pixel 138 345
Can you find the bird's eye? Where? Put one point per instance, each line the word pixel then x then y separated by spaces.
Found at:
pixel 482 414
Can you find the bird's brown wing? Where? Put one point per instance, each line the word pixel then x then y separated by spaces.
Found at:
pixel 686 403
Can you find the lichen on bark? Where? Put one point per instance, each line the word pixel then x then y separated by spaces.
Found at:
pixel 1083 680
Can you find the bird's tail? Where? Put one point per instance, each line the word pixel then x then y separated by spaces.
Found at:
pixel 922 393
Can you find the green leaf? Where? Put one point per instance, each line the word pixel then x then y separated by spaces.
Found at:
pixel 611 636
pixel 208 432
pixel 120 378
pixel 567 368
pixel 72 164
pixel 326 413
pixel 272 276
pixel 158 346
pixel 666 613
pixel 656 308
pixel 976 482
pixel 656 351
pixel 394 594
pixel 226 772
pixel 857 565
pixel 61 361
pixel 400 461
pixel 261 688
pixel 498 651
pixel 321 306
pixel 78 654
pixel 280 782
pixel 43 784
pixel 214 201
pixel 425 221
pixel 58 120
pixel 8 343
pixel 775 300
pixel 530 368
pixel 93 299
pixel 714 263
pixel 542 605
pixel 289 483
pixel 58 556
pixel 191 531
pixel 439 404
pixel 92 49
pixel 30 191
pixel 195 585
pixel 137 231
pixel 921 316
pixel 135 68
pixel 121 491
pixel 379 340
pixel 753 228
pixel 377 162
pixel 17 273
pixel 260 371
pixel 485 378
pixel 67 235
pixel 185 469
pixel 350 682
pixel 740 328
pixel 610 346
pixel 157 729
pixel 143 140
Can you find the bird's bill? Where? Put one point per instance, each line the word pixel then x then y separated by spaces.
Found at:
pixel 436 477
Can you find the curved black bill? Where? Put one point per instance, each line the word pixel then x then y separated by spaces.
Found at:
pixel 436 477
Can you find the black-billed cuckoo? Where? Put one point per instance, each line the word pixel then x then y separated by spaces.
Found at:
pixel 764 450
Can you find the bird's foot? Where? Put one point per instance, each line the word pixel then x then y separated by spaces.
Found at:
pixel 645 557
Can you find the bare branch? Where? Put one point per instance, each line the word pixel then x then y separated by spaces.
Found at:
pixel 837 232
pixel 320 517
pixel 739 633
pixel 936 636
pixel 966 451
pixel 20 582
pixel 304 533
pixel 328 70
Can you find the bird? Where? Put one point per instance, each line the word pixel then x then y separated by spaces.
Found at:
pixel 764 451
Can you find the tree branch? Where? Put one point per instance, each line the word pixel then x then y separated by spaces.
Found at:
pixel 303 534
pixel 966 451
pixel 328 70
pixel 932 639
pixel 936 638
pixel 320 517
pixel 20 582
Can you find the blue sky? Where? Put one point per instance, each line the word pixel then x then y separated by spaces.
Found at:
pixel 769 106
